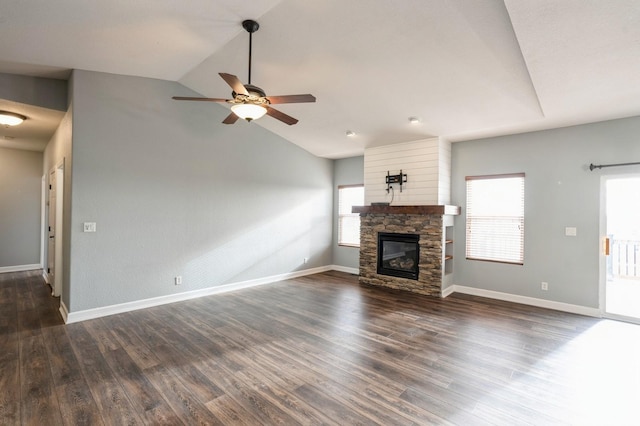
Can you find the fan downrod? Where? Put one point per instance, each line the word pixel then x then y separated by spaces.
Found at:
pixel 251 26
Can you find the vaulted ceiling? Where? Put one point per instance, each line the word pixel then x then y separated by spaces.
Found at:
pixel 466 68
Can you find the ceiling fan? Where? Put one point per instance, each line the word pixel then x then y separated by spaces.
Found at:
pixel 248 101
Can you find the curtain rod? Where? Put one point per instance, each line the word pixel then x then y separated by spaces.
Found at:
pixel 600 166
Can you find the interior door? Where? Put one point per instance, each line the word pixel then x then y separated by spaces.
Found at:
pixel 51 246
pixel 622 291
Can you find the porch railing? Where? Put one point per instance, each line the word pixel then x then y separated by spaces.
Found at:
pixel 625 256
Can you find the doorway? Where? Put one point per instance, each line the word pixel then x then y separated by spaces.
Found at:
pixel 54 237
pixel 622 247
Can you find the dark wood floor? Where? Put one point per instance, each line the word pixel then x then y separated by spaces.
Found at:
pixel 313 350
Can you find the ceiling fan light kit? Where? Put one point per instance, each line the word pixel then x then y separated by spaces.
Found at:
pixel 11 118
pixel 249 112
pixel 250 102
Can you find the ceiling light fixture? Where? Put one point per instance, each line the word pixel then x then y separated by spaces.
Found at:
pixel 350 133
pixel 249 112
pixel 11 118
pixel 414 120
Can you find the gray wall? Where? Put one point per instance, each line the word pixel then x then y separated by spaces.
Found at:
pixel 347 171
pixel 560 191
pixel 20 193
pixel 175 192
pixel 43 92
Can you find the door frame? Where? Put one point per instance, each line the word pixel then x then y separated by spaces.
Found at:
pixel 602 292
pixel 44 198
pixel 56 285
pixel 57 291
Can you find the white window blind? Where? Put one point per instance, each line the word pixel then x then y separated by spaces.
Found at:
pixel 349 223
pixel 495 218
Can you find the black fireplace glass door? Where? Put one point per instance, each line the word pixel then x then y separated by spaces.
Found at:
pixel 398 255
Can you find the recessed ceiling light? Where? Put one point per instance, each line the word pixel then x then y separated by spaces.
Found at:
pixel 350 133
pixel 414 120
pixel 11 118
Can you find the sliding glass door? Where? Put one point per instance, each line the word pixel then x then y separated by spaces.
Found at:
pixel 622 288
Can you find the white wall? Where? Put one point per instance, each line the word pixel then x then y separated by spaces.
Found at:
pixel 426 164
pixel 346 171
pixel 20 193
pixel 175 192
pixel 560 192
pixel 444 172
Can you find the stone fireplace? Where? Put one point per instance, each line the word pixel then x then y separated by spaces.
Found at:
pixel 407 191
pixel 428 226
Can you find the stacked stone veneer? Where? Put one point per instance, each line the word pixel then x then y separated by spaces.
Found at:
pixel 429 227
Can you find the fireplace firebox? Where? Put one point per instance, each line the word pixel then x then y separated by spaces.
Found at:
pixel 398 255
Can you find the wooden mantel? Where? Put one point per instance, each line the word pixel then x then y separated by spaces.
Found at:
pixel 422 210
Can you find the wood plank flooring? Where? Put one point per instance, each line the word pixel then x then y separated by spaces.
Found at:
pixel 314 350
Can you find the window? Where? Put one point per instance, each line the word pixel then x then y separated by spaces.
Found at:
pixel 495 218
pixel 349 223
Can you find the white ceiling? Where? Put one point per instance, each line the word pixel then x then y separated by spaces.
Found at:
pixel 466 68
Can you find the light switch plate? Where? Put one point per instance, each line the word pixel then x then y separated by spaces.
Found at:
pixel 89 227
pixel 570 231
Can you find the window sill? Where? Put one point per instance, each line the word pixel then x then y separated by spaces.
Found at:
pixel 507 262
pixel 349 245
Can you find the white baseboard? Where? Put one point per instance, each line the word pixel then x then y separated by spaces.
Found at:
pixel 20 268
pixel 45 275
pixel 71 317
pixel 448 291
pixel 348 270
pixel 525 300
pixel 64 312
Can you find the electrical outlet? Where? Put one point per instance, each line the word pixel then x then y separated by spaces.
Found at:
pixel 305 260
pixel 544 286
pixel 178 279
pixel 89 227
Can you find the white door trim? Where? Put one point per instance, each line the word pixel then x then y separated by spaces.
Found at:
pixel 43 226
pixel 602 290
pixel 59 228
pixel 54 258
pixel 57 291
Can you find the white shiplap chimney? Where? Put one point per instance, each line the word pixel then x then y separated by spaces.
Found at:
pixel 427 164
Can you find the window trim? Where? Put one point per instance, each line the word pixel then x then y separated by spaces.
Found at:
pixel 488 177
pixel 499 176
pixel 340 244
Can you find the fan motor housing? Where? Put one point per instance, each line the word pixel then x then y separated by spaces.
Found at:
pixel 253 91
